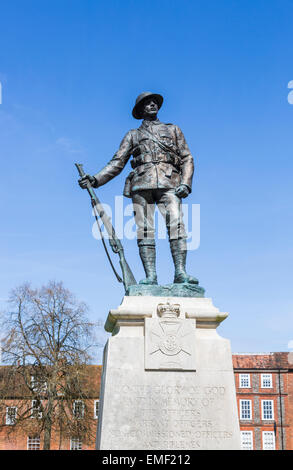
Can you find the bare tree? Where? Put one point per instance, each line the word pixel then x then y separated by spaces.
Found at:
pixel 47 342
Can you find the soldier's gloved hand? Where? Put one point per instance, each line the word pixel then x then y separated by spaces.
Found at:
pixel 87 179
pixel 182 191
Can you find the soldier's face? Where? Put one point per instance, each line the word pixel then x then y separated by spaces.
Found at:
pixel 150 108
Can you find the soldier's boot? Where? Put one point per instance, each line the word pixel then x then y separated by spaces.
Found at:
pixel 148 257
pixel 179 251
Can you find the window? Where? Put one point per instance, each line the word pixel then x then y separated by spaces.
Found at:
pixel 267 409
pixel 75 443
pixel 244 381
pixel 246 440
pixel 38 385
pixel 245 409
pixel 36 409
pixel 78 409
pixel 11 415
pixel 266 381
pixel 268 440
pixel 33 443
pixel 33 382
pixel 96 409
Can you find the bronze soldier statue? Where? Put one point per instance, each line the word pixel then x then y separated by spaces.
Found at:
pixel 162 174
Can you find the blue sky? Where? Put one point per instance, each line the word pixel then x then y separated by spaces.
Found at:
pixel 70 72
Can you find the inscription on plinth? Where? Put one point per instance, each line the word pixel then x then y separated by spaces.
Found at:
pixel 171 417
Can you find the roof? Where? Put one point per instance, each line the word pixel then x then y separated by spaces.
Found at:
pixel 13 385
pixel 272 360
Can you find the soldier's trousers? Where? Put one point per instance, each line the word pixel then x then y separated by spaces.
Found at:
pixel 169 205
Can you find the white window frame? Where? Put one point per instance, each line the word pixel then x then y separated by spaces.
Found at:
pixel 265 377
pixel 246 444
pixel 75 443
pixel 37 386
pixel 267 445
pixel 247 377
pixel 36 413
pixel 82 409
pixel 33 441
pixel 240 410
pixel 9 420
pixel 262 410
pixel 96 414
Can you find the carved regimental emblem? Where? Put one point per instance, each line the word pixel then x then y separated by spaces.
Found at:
pixel 169 343
pixel 169 340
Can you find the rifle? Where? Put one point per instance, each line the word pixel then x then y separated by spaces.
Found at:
pixel 115 243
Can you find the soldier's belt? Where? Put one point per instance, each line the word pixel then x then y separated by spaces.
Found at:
pixel 161 158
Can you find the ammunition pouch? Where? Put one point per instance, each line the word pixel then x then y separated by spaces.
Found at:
pixel 127 185
pixel 144 158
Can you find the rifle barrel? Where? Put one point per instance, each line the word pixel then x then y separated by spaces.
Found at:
pixel 128 277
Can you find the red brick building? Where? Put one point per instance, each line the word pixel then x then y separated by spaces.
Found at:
pixel 25 434
pixel 264 389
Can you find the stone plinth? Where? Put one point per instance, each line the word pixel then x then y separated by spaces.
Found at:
pixel 168 379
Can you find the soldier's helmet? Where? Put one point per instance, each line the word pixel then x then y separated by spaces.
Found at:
pixel 137 110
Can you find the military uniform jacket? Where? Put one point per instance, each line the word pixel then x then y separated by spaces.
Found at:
pixel 161 159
